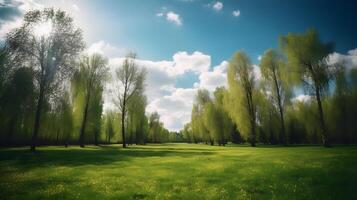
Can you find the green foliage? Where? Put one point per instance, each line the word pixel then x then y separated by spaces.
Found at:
pixel 241 103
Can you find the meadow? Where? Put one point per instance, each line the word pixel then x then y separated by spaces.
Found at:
pixel 179 171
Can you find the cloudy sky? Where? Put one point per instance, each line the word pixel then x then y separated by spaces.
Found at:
pixel 186 44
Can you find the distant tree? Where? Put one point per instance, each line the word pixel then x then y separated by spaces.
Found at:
pixel 307 56
pixel 129 79
pixel 48 42
pixel 242 106
pixel 273 71
pixel 89 79
pixel 154 127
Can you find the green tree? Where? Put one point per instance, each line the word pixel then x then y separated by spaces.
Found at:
pixel 307 57
pixel 241 104
pixel 129 79
pixel 48 42
pixel 273 71
pixel 89 79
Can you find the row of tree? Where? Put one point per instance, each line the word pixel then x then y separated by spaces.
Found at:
pixel 263 109
pixel 51 92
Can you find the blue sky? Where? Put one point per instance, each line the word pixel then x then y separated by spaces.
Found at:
pixel 185 43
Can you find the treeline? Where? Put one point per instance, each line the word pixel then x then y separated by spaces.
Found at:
pixel 261 108
pixel 51 91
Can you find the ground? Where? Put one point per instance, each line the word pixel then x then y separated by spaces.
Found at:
pixel 179 171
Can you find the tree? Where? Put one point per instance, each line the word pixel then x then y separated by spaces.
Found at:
pixel 242 106
pixel 199 126
pixel 217 120
pixel 137 123
pixel 129 80
pixel 307 56
pixel 273 71
pixel 48 42
pixel 154 127
pixel 17 100
pixel 89 79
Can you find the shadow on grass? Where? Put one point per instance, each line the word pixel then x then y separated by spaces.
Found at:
pixel 102 155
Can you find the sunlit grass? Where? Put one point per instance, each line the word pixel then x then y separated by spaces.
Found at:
pixel 179 171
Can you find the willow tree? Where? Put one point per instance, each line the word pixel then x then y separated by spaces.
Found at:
pixel 307 57
pixel 48 42
pixel 89 80
pixel 198 122
pixel 129 79
pixel 240 102
pixel 273 71
pixel 217 119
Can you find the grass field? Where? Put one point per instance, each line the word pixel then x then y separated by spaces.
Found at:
pixel 179 171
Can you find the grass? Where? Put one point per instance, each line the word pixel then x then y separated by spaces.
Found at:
pixel 179 171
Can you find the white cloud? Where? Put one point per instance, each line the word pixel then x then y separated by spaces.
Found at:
pixel 218 6
pixel 174 18
pixel 236 13
pixel 75 7
pixel 196 62
pixel 257 72
pixel 173 104
pixel 259 57
pixel 17 8
pixel 302 98
pixel 349 61
pixel 106 49
pixel 215 78
pixel 175 108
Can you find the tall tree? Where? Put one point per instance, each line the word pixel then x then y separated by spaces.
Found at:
pixel 241 82
pixel 307 56
pixel 273 71
pixel 89 79
pixel 129 79
pixel 199 126
pixel 48 42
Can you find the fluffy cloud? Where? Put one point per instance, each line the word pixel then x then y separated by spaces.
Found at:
pixel 196 62
pixel 236 13
pixel 218 6
pixel 349 61
pixel 174 18
pixel 75 7
pixel 215 78
pixel 173 104
pixel 302 98
pixel 175 108
pixel 170 16
pixel 11 13
pixel 106 49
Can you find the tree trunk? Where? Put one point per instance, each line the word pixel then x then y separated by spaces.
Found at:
pixel 57 136
pixel 281 111
pixel 325 139
pixel 123 127
pixel 84 122
pixel 37 117
pixel 96 138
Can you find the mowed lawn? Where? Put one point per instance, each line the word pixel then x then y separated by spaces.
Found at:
pixel 179 171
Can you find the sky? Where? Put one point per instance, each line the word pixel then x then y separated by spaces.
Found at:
pixel 187 44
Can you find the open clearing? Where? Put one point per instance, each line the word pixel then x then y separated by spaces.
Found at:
pixel 179 171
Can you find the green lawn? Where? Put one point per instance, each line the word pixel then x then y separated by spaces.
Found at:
pixel 179 171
